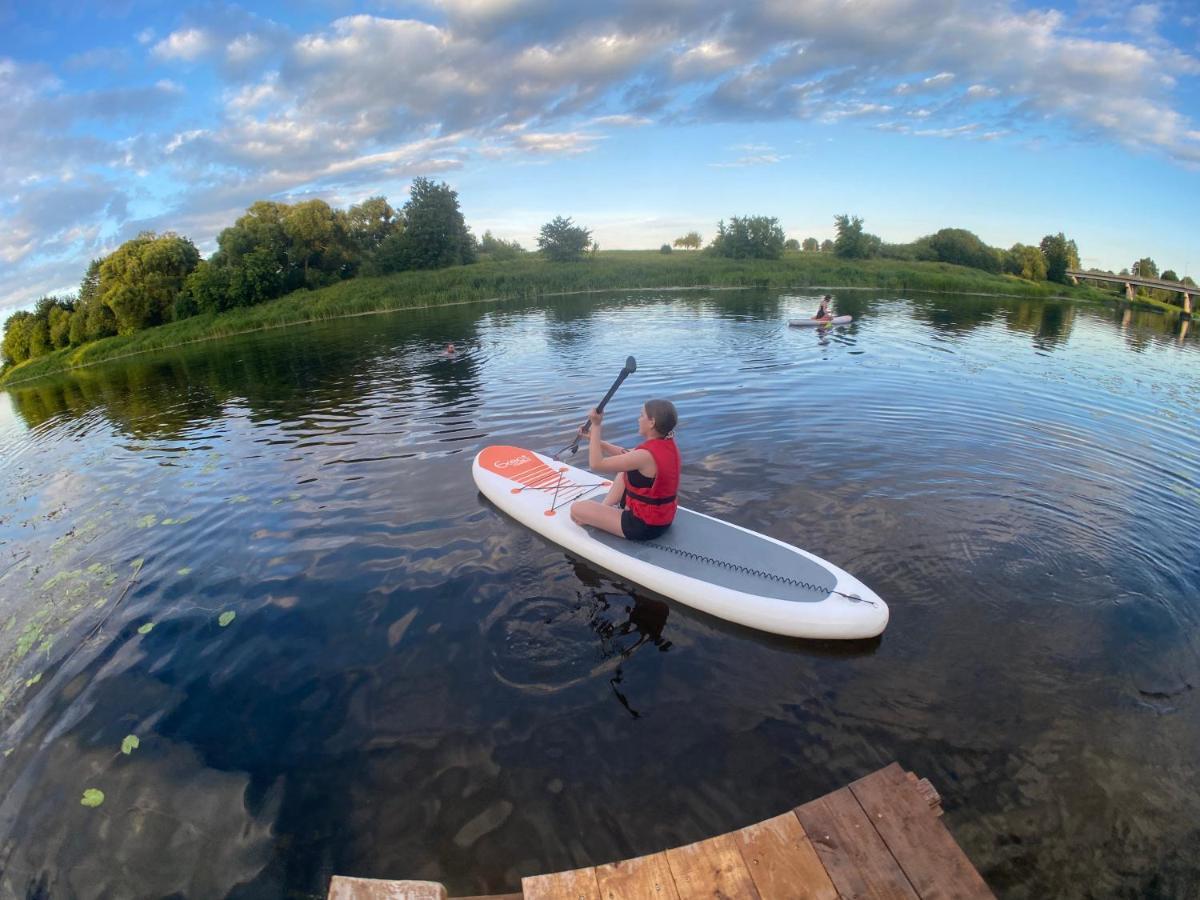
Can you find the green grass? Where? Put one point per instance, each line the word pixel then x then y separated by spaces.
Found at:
pixel 532 278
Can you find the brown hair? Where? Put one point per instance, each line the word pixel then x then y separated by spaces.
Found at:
pixel 662 414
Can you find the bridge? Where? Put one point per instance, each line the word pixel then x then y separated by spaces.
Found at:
pixel 1132 281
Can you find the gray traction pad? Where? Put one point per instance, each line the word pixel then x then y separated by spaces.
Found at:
pixel 716 540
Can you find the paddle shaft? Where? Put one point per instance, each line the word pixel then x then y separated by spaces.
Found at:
pixel 630 367
pixel 587 425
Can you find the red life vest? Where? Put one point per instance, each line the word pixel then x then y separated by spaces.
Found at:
pixel 656 504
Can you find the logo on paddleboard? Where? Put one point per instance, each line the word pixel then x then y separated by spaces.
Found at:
pixel 516 461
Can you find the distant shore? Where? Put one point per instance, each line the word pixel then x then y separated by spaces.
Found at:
pixel 533 278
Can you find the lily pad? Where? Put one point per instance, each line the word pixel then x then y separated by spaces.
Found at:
pixel 130 744
pixel 147 628
pixel 186 570
pixel 226 617
pixel 92 797
pixel 147 521
pixel 34 680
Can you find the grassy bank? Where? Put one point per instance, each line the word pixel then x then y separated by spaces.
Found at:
pixel 532 278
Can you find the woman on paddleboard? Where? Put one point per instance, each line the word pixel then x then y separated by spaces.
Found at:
pixel 641 502
pixel 823 309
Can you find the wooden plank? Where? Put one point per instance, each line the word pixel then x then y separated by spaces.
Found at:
pixel 782 862
pixel 492 897
pixel 643 878
pixel 852 852
pixel 927 791
pixel 343 888
pixel 578 884
pixel 712 868
pixel 920 843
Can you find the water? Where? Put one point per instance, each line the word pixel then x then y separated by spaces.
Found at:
pixel 414 686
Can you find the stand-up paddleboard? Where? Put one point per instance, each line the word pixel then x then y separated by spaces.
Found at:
pixel 814 323
pixel 716 567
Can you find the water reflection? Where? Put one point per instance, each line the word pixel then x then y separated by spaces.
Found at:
pixel 413 685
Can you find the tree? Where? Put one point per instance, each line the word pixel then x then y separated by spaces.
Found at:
pixel 370 222
pixel 791 244
pixel 497 248
pixel 1145 267
pixel 1060 254
pixel 665 249
pixel 435 235
pixel 88 310
pixel 963 248
pixel 852 242
pixel 59 322
pixel 15 346
pixel 690 241
pixel 140 280
pixel 259 231
pixel 1025 262
pixel 318 242
pixel 827 246
pixel 749 237
pixel 810 245
pixel 562 241
pixel 1169 275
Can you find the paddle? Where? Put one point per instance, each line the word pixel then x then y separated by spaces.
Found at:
pixel 630 368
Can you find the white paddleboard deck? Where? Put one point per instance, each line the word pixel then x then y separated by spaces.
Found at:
pixel 714 566
pixel 815 323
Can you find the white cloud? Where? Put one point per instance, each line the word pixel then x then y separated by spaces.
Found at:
pixel 188 45
pixel 570 143
pixel 752 155
pixel 245 48
pixel 982 92
pixel 623 121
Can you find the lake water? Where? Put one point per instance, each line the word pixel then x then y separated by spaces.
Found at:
pixel 266 560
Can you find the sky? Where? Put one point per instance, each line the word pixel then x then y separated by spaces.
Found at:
pixel 641 120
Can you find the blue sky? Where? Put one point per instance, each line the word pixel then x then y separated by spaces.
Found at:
pixel 641 120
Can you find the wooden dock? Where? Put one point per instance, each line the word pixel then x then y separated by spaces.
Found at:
pixel 880 837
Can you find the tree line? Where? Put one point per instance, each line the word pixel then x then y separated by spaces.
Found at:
pixel 276 248
pixel 761 237
pixel 271 250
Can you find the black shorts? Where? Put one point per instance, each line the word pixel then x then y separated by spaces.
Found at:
pixel 635 529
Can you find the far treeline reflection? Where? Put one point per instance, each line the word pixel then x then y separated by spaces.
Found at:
pixel 166 394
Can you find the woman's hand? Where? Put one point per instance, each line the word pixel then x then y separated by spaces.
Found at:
pixel 595 417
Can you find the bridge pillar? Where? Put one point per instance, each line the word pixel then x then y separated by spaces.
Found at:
pixel 1187 303
pixel 1074 281
pixel 1128 290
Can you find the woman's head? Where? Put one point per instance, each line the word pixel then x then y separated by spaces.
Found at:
pixel 660 416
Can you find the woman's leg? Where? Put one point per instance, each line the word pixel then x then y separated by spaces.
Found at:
pixel 598 515
pixel 616 492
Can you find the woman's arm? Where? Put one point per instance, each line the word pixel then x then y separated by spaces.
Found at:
pixel 625 462
pixel 621 462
